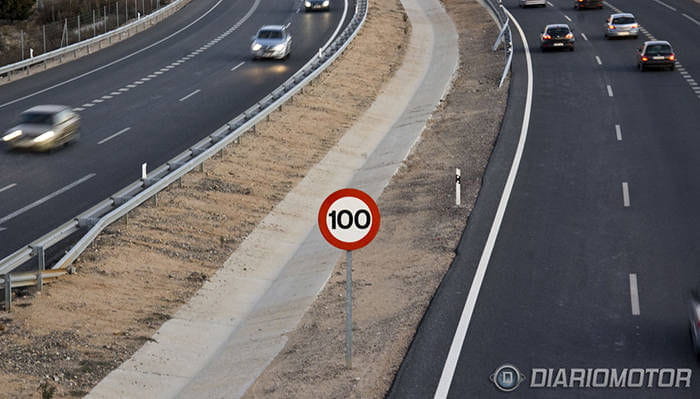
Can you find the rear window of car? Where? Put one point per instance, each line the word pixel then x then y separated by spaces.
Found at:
pixel 623 20
pixel 558 31
pixel 659 49
pixel 270 34
pixel 37 118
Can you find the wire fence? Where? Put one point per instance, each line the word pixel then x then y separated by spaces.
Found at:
pixel 59 23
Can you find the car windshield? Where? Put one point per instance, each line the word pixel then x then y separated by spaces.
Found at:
pixel 558 31
pixel 270 34
pixel 36 118
pixel 659 49
pixel 623 20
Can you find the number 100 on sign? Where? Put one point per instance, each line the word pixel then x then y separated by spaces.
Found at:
pixel 349 219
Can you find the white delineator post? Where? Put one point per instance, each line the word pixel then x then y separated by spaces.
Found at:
pixel 458 185
pixel 143 171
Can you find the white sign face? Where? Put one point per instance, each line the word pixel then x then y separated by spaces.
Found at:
pixel 349 219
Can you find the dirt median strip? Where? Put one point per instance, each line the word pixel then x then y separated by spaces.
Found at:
pixel 136 276
pixel 396 275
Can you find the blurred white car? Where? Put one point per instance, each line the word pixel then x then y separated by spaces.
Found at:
pixel 526 3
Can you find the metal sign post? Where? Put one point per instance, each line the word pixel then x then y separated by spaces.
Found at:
pixel 348 219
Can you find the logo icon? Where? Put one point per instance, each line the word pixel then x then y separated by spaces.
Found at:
pixel 507 378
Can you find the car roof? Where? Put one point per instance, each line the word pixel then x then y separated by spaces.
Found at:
pixel 557 26
pixel 47 109
pixel 272 27
pixel 622 14
pixel 650 42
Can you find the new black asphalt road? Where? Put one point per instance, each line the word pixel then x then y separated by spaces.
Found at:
pixel 597 249
pixel 146 100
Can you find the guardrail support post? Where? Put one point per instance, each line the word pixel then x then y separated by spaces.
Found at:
pixel 42 266
pixel 8 292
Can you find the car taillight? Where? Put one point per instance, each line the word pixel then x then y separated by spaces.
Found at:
pixel 645 58
pixel 569 36
pixel 672 57
pixel 546 36
pixel 611 26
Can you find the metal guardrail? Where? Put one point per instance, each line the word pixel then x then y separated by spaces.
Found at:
pixel 118 205
pixel 24 68
pixel 504 36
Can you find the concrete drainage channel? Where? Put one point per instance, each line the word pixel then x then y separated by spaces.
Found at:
pixel 121 203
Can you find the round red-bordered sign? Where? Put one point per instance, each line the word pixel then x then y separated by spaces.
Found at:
pixel 349 219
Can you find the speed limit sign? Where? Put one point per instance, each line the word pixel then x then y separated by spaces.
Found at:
pixel 349 219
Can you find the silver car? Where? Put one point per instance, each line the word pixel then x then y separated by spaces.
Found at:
pixel 621 25
pixel 272 41
pixel 44 127
pixel 525 3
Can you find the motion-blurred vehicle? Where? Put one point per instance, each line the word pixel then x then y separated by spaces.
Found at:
pixel 43 128
pixel 621 25
pixel 557 36
pixel 694 318
pixel 527 3
pixel 656 54
pixel 313 5
pixel 272 41
pixel 579 4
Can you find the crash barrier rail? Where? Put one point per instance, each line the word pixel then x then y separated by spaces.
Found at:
pixel 121 203
pixel 504 35
pixel 88 46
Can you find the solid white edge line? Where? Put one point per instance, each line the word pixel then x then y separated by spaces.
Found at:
pixel 634 294
pixel 44 199
pixel 7 187
pixel 618 132
pixel 189 95
pixel 625 194
pixel 237 66
pixel 106 139
pixel 340 24
pixel 448 370
pixel 610 92
pixel 115 61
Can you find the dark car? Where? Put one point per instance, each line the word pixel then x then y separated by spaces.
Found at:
pixel 312 5
pixel 656 54
pixel 579 4
pixel 557 36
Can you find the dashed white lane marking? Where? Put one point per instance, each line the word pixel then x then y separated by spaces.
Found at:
pixel 583 35
pixel 618 132
pixel 7 187
pixel 610 92
pixel 106 139
pixel 151 76
pixel 567 17
pixel 106 97
pixel 626 194
pixel 131 86
pixel 124 89
pixel 634 294
pixel 460 334
pixel 138 82
pixel 550 4
pixel 238 66
pixel 157 73
pixel 78 109
pixel 115 93
pixel 97 100
pixel 665 5
pixel 88 105
pixel 163 70
pixel 145 79
pixel 597 59
pixel 695 21
pixel 189 95
pixel 47 198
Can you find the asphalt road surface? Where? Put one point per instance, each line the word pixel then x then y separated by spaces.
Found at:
pixel 597 249
pixel 146 100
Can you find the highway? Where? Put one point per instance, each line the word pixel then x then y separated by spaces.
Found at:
pixel 146 99
pixel 589 260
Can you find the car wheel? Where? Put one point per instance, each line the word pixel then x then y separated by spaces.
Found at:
pixel 672 67
pixel 571 48
pixel 641 67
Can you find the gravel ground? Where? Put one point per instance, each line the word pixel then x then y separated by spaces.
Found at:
pixel 63 341
pixel 395 276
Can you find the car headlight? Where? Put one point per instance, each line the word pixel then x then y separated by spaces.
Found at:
pixel 278 47
pixel 44 136
pixel 307 4
pixel 12 136
pixel 326 3
pixel 255 46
